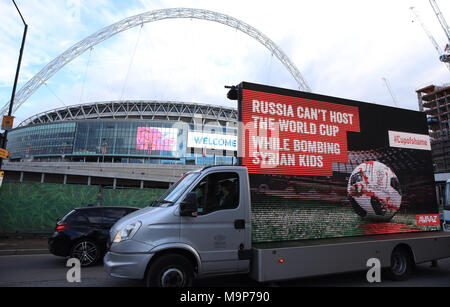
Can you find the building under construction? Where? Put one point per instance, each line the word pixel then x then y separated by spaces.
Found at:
pixel 435 102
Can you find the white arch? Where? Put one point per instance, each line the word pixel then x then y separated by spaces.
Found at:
pixel 51 68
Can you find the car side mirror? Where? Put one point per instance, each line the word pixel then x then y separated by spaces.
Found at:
pixel 188 206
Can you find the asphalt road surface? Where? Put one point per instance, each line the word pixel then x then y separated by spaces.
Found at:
pixel 50 271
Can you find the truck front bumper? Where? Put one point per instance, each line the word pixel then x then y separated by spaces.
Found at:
pixel 123 265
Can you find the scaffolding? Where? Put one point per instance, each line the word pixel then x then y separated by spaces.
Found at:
pixel 434 101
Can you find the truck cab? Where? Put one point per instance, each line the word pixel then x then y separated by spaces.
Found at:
pixel 199 227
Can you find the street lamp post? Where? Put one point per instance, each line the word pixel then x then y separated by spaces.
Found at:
pixel 11 103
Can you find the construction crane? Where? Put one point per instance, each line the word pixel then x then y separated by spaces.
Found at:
pixel 444 57
pixel 441 18
pixel 394 99
pixel 430 36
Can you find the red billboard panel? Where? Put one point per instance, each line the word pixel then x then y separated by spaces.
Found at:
pixel 292 135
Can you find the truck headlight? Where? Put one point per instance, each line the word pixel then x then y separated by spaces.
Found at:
pixel 127 232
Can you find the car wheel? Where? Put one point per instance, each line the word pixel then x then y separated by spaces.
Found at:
pixel 401 265
pixel 87 251
pixel 170 271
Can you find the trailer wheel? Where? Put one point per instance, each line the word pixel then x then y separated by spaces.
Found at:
pixel 170 270
pixel 402 264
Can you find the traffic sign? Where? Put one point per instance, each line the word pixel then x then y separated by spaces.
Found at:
pixel 4 154
pixel 7 122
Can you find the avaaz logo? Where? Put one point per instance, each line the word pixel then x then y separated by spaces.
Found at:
pixel 427 219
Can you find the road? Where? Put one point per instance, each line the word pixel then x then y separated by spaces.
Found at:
pixel 50 271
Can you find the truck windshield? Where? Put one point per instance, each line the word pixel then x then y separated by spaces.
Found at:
pixel 175 191
pixel 447 197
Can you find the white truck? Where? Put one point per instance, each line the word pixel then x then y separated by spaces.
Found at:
pixel 323 185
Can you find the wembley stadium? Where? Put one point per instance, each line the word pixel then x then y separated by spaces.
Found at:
pixel 147 142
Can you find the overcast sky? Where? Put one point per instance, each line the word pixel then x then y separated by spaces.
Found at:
pixel 342 48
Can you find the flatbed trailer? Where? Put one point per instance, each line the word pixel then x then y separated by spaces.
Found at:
pixel 296 259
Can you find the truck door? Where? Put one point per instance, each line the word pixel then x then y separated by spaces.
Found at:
pixel 218 231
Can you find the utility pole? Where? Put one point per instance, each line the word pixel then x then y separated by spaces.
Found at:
pixel 9 119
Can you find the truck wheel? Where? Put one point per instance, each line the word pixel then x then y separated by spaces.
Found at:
pixel 401 265
pixel 170 271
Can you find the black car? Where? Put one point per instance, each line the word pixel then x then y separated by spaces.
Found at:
pixel 83 233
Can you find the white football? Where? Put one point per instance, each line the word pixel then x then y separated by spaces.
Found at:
pixel 374 191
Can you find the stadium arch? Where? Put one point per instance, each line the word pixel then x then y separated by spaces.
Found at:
pixel 101 35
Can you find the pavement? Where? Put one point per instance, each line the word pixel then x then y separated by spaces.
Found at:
pixel 23 245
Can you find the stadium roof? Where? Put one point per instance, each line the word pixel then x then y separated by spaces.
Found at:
pixel 136 109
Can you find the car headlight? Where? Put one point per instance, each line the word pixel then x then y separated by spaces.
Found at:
pixel 127 232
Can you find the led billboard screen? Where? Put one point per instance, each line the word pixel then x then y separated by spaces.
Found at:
pixel 323 167
pixel 296 136
pixel 156 139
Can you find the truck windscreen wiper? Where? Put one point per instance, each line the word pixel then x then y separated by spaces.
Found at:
pixel 158 203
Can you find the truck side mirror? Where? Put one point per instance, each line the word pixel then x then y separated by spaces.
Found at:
pixel 188 206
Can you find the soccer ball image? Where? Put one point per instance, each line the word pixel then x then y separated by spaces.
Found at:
pixel 374 191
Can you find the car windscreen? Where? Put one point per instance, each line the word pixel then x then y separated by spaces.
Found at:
pixel 75 216
pixel 64 219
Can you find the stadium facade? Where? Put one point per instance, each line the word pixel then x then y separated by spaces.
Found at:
pixel 119 139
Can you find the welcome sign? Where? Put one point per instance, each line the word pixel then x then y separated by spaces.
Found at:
pixel 212 141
